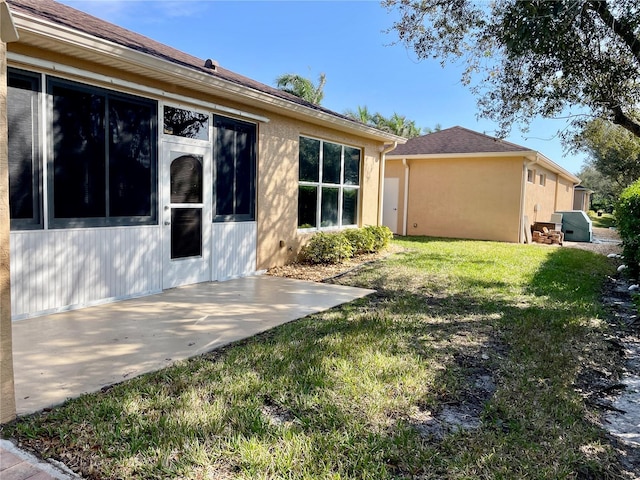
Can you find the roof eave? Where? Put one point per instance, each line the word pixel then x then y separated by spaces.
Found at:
pixel 431 156
pixel 101 51
pixel 531 155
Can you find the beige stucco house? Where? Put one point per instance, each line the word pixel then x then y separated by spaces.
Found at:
pixel 119 142
pixel 457 183
pixel 134 167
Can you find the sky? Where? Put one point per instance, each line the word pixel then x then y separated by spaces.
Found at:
pixel 348 41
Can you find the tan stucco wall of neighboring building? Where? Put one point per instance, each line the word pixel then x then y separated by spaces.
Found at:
pixel 565 194
pixel 474 198
pixel 541 201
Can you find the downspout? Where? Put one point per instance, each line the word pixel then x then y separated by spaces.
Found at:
pixel 384 149
pixel 523 197
pixel 405 204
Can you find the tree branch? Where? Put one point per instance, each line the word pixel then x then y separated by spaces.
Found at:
pixel 625 121
pixel 620 27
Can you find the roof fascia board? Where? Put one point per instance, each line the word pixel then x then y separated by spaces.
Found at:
pixel 554 167
pixel 159 94
pixel 433 156
pixel 8 32
pixel 199 80
pixel 530 155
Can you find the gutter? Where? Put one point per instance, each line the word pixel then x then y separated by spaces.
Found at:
pixel 384 149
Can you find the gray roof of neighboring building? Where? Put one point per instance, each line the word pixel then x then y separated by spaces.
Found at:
pixel 455 140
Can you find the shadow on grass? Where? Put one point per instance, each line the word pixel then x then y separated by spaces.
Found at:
pixel 346 392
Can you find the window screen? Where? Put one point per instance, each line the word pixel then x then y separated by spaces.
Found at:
pixel 23 116
pixel 103 158
pixel 235 170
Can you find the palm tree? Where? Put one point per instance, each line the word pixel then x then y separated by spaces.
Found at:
pixel 302 87
pixel 362 115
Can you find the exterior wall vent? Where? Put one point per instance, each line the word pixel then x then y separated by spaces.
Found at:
pixel 212 64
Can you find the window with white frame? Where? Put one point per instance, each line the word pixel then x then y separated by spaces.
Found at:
pixel 329 184
pixel 531 175
pixel 543 179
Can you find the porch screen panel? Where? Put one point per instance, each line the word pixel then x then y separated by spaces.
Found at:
pixel 23 115
pixel 79 154
pixel 186 232
pixel 130 159
pixel 234 170
pixel 186 179
pixel 103 160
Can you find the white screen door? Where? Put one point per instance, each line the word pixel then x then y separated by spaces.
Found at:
pixel 186 214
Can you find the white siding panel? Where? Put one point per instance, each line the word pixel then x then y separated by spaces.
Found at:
pixel 233 250
pixel 53 270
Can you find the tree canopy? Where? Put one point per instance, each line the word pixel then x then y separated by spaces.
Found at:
pixel 534 57
pixel 302 87
pixel 613 151
pixel 397 124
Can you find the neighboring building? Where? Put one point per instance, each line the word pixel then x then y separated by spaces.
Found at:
pixel 135 167
pixel 457 183
pixel 582 198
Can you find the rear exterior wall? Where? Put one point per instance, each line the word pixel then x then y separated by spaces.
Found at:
pixel 472 198
pixel 547 194
pixel 278 186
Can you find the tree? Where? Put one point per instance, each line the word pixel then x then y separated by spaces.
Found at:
pixel 534 57
pixel 362 114
pixel 613 151
pixel 302 87
pixel 605 190
pixel 396 124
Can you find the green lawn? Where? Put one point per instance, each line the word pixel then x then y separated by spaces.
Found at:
pixel 605 220
pixel 496 334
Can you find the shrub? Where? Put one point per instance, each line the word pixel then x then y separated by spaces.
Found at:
pixel 327 248
pixel 361 239
pixel 382 236
pixel 628 217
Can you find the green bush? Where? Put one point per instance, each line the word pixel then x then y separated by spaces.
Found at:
pixel 628 217
pixel 382 236
pixel 362 240
pixel 327 248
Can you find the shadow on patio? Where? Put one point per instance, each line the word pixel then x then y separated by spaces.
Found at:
pixel 67 354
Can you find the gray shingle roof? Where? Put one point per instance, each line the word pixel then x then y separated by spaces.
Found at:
pixel 64 15
pixel 455 140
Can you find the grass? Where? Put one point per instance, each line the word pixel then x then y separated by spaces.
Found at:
pixel 606 220
pixel 499 331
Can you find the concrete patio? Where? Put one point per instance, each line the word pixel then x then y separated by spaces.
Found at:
pixel 66 354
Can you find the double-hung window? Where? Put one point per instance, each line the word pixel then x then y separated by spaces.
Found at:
pixel 103 167
pixel 329 184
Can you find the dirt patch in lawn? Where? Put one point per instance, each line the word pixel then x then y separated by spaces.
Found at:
pixel 614 392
